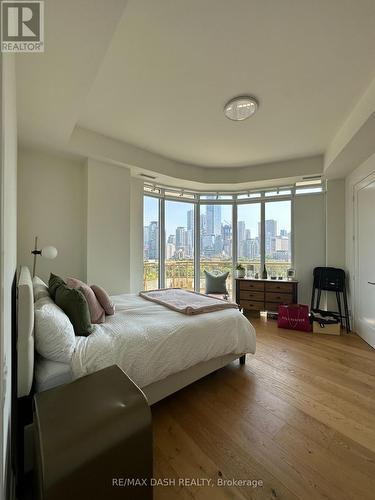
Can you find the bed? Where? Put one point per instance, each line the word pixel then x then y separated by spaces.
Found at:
pixel 160 349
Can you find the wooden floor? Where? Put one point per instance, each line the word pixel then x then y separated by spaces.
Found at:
pixel 299 416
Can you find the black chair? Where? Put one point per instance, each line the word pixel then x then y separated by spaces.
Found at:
pixel 331 279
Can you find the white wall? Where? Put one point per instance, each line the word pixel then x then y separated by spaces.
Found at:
pixel 51 205
pixel 335 223
pixel 354 141
pixel 136 236
pixel 335 230
pixel 309 241
pixel 8 253
pixel 367 168
pixel 92 212
pixel 108 226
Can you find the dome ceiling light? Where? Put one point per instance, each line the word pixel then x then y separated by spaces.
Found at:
pixel 241 107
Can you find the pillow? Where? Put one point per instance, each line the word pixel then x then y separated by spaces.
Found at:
pixel 53 284
pixel 40 289
pixel 97 313
pixel 104 299
pixel 74 304
pixel 216 283
pixel 53 332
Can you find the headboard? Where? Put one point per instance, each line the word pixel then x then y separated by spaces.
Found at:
pixel 25 338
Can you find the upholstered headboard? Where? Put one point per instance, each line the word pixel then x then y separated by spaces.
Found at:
pixel 25 338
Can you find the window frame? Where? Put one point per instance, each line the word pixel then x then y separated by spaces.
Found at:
pixel 257 196
pixel 162 272
pixel 156 196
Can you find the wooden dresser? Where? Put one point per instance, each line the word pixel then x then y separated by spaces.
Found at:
pixel 257 295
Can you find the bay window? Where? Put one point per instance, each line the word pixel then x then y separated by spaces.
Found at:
pixel 187 233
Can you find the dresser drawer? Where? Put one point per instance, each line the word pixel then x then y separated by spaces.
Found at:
pixel 279 287
pixel 252 295
pixel 252 305
pixel 280 298
pixel 257 286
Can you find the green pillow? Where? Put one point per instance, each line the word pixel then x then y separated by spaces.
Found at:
pixel 74 304
pixel 216 283
pixel 53 284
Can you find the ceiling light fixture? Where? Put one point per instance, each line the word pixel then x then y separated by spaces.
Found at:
pixel 241 107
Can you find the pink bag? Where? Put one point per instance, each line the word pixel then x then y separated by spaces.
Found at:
pixel 294 317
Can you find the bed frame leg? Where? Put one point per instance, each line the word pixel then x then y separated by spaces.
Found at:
pixel 243 359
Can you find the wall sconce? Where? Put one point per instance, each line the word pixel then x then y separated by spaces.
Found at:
pixel 46 252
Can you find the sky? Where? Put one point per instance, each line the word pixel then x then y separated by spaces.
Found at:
pixel 175 214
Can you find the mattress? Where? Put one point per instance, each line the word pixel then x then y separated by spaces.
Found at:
pixel 49 374
pixel 151 342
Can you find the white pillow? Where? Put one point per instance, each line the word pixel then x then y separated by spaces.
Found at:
pixel 40 289
pixel 54 333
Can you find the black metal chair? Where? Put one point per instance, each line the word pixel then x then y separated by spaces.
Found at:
pixel 331 279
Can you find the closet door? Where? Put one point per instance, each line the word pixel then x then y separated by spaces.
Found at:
pixel 365 260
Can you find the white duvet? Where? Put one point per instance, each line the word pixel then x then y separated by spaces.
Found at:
pixel 150 342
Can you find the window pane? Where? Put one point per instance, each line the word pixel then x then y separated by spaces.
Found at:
pixel 151 189
pixel 216 241
pixel 278 238
pixel 179 245
pixel 248 195
pixel 318 189
pixel 309 183
pixel 216 196
pixel 248 237
pixel 179 194
pixel 282 192
pixel 150 243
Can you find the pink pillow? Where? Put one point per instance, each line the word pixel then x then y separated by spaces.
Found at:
pixel 97 313
pixel 104 299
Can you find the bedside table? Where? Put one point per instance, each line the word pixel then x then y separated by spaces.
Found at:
pixel 90 436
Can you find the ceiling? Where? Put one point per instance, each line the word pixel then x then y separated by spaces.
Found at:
pixel 157 73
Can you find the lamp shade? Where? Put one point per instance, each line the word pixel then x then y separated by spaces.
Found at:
pixel 49 252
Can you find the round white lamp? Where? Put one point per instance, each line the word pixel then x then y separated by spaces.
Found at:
pixel 48 252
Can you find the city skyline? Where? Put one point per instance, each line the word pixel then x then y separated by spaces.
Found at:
pixel 278 210
pixel 216 230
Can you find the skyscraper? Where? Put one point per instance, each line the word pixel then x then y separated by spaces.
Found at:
pixel 271 227
pixel 190 220
pixel 189 236
pixel 203 224
pixel 270 235
pixel 241 227
pixel 153 240
pixel 213 219
pixel 180 237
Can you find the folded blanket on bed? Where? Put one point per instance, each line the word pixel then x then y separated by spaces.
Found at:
pixel 187 302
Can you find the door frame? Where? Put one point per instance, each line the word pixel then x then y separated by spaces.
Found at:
pixel 369 179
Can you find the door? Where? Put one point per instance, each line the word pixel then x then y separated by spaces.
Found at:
pixel 365 260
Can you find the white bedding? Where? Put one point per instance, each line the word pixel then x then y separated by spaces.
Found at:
pixel 49 374
pixel 150 342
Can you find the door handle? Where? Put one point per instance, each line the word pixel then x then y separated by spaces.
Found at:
pixel 371 283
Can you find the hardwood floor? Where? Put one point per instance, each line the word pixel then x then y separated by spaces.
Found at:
pixel 299 416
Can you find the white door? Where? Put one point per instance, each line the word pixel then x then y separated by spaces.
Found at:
pixel 365 260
